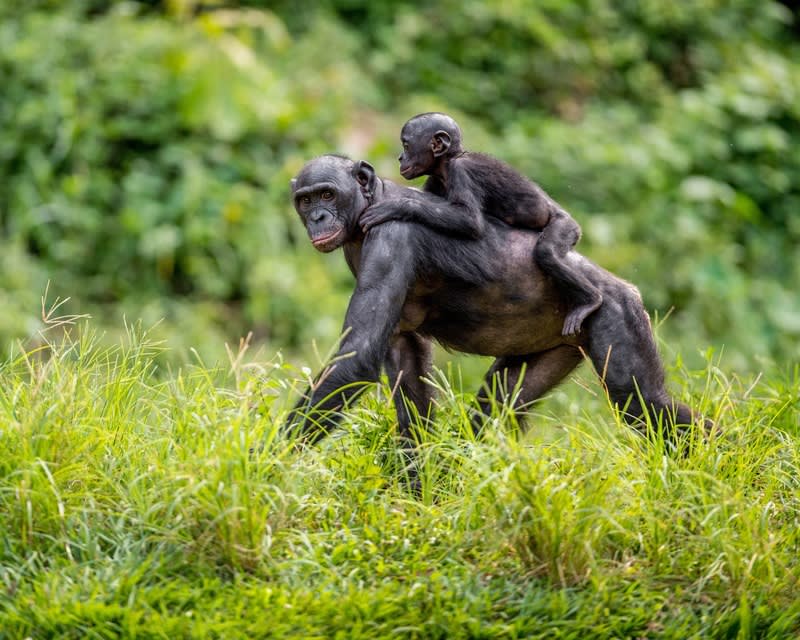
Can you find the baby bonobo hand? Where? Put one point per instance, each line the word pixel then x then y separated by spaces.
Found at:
pixel 385 211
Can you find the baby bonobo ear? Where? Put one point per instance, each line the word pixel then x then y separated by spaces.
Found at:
pixel 293 183
pixel 364 174
pixel 440 143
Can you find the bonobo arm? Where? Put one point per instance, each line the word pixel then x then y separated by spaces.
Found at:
pixel 384 276
pixel 460 214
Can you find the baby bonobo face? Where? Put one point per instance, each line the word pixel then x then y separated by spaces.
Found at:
pixel 429 140
pixel 417 156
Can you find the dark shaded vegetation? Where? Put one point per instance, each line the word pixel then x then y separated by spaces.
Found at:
pixel 147 146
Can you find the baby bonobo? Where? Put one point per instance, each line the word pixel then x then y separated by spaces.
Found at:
pixel 476 185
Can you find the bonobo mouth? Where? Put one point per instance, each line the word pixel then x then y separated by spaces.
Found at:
pixel 408 172
pixel 327 242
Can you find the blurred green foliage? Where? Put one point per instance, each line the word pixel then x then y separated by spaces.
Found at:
pixel 146 149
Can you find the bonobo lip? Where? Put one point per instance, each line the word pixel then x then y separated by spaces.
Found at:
pixel 324 243
pixel 407 172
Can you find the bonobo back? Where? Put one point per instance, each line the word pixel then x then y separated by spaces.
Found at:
pixel 505 193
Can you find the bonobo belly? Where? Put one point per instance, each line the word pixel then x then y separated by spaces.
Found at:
pixel 499 319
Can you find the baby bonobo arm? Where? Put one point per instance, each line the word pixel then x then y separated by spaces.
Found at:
pixel 460 214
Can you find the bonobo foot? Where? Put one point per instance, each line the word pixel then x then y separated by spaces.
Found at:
pixel 575 318
pixel 410 472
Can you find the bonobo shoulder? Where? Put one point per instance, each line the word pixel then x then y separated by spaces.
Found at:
pixel 482 167
pixel 477 159
pixel 395 240
pixel 478 168
pixel 396 233
pixel 388 254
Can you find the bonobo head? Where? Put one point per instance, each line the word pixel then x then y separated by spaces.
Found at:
pixel 330 193
pixel 428 140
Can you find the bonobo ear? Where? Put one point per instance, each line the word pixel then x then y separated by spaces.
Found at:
pixel 293 183
pixel 440 143
pixel 364 174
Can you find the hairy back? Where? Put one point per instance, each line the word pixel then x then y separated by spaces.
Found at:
pixel 505 193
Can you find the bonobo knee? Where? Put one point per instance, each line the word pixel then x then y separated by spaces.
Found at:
pixel 563 228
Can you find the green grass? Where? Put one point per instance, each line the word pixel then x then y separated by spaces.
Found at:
pixel 131 507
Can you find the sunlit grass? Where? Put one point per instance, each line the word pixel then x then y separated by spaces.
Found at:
pixel 140 502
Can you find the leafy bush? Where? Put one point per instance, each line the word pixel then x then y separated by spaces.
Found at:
pixel 147 157
pixel 700 213
pixel 147 147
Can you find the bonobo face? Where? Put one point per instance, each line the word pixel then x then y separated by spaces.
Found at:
pixel 417 158
pixel 429 140
pixel 329 197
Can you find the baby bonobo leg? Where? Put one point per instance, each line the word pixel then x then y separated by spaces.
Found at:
pixel 556 241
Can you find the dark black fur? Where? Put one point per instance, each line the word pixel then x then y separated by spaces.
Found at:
pixel 477 186
pixel 414 285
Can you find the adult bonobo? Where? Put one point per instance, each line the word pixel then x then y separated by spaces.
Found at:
pixel 479 296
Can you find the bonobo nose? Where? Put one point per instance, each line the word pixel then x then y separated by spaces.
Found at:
pixel 318 214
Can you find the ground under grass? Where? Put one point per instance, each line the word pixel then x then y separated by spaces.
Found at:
pixel 131 506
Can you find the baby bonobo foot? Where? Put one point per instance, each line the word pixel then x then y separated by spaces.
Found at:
pixel 575 318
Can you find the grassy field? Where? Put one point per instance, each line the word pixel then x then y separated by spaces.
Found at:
pixel 131 507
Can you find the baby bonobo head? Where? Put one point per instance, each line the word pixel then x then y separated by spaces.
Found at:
pixel 429 140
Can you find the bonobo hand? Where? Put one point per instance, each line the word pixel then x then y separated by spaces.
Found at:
pixel 385 211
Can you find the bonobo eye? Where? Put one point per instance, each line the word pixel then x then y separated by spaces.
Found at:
pixel 305 200
pixel 405 146
pixel 327 194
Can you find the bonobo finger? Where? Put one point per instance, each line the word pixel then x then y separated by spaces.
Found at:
pixel 371 219
pixel 366 222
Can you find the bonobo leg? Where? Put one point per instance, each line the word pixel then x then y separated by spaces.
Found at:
pixel 540 372
pixel 408 360
pixel 623 350
pixel 558 237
